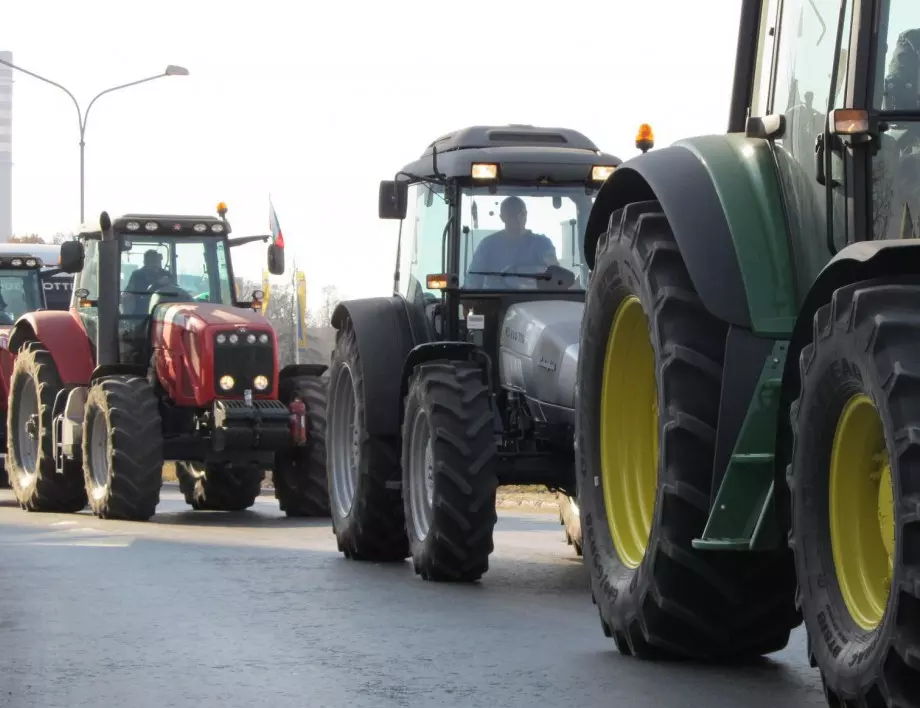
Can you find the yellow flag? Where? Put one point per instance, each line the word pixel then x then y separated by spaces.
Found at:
pixel 301 310
pixel 266 290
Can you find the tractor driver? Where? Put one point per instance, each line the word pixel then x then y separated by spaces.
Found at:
pixel 513 249
pixel 144 280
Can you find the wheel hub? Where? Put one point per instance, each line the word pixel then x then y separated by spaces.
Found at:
pixel 421 476
pixel 861 512
pixel 344 442
pixel 629 432
pixel 32 426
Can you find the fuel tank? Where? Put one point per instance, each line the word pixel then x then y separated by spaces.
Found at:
pixel 538 355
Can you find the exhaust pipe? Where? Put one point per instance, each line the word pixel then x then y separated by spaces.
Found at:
pixel 109 288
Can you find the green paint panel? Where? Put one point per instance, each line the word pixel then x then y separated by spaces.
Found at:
pixel 742 518
pixel 744 173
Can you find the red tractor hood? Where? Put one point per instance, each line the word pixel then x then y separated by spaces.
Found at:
pixel 208 314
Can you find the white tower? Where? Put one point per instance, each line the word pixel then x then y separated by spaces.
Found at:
pixel 6 148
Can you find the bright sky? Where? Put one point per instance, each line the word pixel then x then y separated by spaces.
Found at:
pixel 316 102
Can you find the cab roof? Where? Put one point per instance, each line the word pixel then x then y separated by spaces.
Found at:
pixel 162 224
pixel 523 152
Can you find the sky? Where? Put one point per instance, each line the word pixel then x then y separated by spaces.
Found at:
pixel 315 103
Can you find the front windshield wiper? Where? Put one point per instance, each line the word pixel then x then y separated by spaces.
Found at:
pixel 535 276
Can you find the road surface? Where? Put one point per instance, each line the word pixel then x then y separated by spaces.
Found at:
pixel 197 609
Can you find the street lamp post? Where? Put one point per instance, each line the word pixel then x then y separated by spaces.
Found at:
pixel 171 70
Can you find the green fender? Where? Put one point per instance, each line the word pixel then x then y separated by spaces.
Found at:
pixel 722 197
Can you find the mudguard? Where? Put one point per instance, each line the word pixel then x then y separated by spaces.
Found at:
pixel 384 340
pixel 722 197
pixel 63 337
pixel 452 351
pixel 858 261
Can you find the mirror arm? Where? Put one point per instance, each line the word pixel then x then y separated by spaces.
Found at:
pixel 240 240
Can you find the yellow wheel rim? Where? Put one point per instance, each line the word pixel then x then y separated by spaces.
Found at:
pixel 862 512
pixel 629 432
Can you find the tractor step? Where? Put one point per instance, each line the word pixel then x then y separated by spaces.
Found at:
pixel 742 517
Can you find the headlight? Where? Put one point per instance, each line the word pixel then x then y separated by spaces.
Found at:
pixel 234 338
pixel 226 382
pixel 263 338
pixel 250 338
pixel 260 382
pixel 221 338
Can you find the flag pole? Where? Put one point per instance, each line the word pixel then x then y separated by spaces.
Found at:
pixel 296 313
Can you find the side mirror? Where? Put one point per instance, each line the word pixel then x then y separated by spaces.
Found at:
pixel 275 259
pixel 392 200
pixel 72 256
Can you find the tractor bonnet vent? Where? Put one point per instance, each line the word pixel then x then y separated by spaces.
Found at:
pixel 506 136
pixel 482 137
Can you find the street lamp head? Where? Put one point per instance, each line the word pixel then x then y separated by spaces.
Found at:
pixel 173 70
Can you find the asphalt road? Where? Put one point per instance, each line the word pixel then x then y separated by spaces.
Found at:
pixel 197 609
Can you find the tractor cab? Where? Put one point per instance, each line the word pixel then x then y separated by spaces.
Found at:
pixel 20 286
pixel 492 216
pixel 161 259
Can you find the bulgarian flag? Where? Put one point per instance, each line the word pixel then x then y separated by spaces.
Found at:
pixel 277 236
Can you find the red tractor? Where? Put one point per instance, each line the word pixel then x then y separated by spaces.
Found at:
pixel 22 275
pixel 157 361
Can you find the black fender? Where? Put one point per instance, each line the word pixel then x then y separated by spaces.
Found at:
pixel 384 339
pixel 863 260
pixel 679 181
pixel 431 351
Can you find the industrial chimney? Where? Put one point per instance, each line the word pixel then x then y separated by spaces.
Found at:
pixel 6 148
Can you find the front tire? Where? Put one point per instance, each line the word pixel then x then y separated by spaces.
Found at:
pixel 648 389
pixel 299 473
pixel 449 478
pixel 122 449
pixel 855 490
pixel 30 462
pixel 220 487
pixel 362 470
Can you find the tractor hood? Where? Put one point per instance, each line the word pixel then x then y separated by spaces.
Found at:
pixel 539 355
pixel 202 315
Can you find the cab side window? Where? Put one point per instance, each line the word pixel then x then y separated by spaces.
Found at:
pixel 88 278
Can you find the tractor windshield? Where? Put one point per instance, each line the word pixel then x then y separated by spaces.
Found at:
pixel 896 165
pixel 20 292
pixel 192 268
pixel 517 232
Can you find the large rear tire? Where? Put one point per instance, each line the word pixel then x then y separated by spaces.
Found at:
pixel 38 486
pixel 648 387
pixel 448 471
pixel 220 487
pixel 122 448
pixel 855 492
pixel 363 470
pixel 299 473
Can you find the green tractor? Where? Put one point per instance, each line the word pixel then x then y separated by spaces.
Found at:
pixel 748 385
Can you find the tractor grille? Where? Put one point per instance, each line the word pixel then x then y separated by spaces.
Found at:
pixel 242 361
